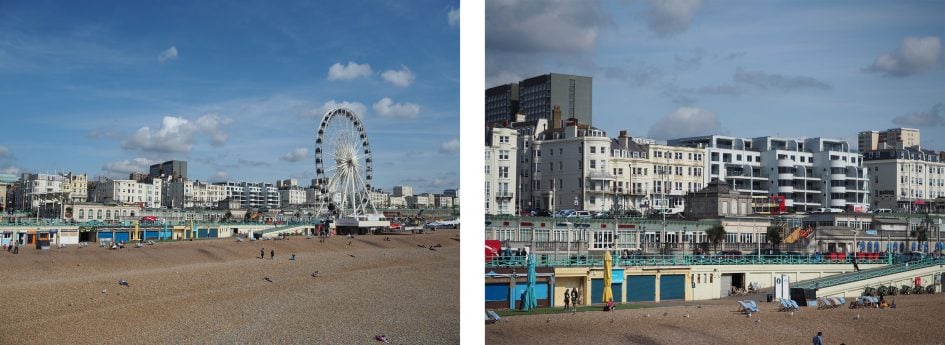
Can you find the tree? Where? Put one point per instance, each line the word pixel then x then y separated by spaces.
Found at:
pixel 227 216
pixel 774 235
pixel 716 234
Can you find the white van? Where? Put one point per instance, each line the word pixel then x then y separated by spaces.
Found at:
pixel 883 210
pixel 580 214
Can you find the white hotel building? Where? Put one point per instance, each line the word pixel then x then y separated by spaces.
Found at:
pixel 808 173
pixel 501 176
pixel 903 178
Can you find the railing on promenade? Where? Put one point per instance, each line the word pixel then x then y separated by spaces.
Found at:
pixel 596 260
pixel 868 274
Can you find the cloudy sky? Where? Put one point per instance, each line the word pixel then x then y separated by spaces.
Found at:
pixel 234 88
pixel 669 69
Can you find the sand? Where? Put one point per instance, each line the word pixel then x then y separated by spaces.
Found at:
pixel 916 320
pixel 213 291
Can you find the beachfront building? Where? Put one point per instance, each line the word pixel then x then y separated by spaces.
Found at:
pixel 419 201
pixel 193 194
pixel 44 192
pixel 379 198
pixel 808 173
pixel 108 191
pixel 90 211
pixel 403 191
pixel 501 104
pixel 905 179
pixel 252 195
pixel 501 174
pixel 292 197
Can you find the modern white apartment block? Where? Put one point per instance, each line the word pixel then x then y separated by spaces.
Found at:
pixel 808 173
pixel 905 179
pixel 252 194
pixel 500 170
pixel 893 138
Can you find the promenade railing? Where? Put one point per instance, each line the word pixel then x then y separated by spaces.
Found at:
pixel 596 260
pixel 850 277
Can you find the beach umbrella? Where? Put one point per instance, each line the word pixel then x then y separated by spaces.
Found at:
pixel 608 278
pixel 161 236
pixel 134 236
pixel 530 300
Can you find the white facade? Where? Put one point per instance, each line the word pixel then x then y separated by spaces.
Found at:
pixel 808 173
pixel 379 198
pixel 398 202
pixel 901 177
pixel 419 201
pixel 129 192
pixel 292 197
pixel 189 194
pixel 501 171
pixel 252 195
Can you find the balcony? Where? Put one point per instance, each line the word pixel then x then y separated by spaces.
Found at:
pixel 838 203
pixel 601 176
pixel 785 189
pixel 840 189
pixel 504 195
pixel 785 163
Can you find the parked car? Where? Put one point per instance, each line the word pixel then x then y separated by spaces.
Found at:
pixel 580 214
pixel 563 213
pixel 766 252
pixel 730 254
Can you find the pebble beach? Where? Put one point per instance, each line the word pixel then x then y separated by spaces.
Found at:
pixel 216 292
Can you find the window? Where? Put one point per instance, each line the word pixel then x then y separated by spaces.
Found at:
pixel 503 155
pixel 503 172
pixel 593 164
pixel 487 170
pixel 81 214
pixel 504 139
pixel 593 150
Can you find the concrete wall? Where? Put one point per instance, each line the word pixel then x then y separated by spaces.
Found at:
pixel 855 289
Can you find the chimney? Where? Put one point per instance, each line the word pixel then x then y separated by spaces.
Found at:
pixel 556 117
pixel 624 139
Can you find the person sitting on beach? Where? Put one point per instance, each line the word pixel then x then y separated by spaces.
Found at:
pixel 610 305
pixel 883 303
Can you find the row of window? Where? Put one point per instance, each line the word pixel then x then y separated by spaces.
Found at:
pixel 677 155
pixel 108 214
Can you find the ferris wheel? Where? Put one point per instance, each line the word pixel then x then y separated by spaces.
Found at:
pixel 343 168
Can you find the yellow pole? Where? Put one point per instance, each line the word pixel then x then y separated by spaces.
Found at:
pixel 193 231
pixel 134 237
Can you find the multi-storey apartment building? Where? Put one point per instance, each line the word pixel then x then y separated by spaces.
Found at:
pixel 905 179
pixel 128 192
pixel 190 194
pixel 676 171
pixel 292 197
pixel 501 104
pixel 808 173
pixel 75 187
pixel 500 170
pixel 893 138
pixel 173 170
pixel 403 191
pixel 540 94
pixel 252 195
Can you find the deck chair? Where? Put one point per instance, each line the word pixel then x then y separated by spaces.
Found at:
pixel 752 304
pixel 747 307
pixel 793 304
pixel 492 317
pixel 838 301
pixel 824 303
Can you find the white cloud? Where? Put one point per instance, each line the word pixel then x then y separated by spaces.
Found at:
pixel 401 78
pixel 685 122
pixel 453 17
pixel 347 72
pixel 167 55
pixel 915 55
pixel 220 176
pixel 296 155
pixel 387 108
pixel 670 17
pixel 451 146
pixel 357 107
pixel 177 134
pixel 123 168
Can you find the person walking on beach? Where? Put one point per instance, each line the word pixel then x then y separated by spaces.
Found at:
pixel 574 299
pixel 818 339
pixel 272 254
pixel 567 299
pixel 262 253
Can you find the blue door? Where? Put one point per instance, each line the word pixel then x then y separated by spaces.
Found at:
pixel 213 233
pixel 597 290
pixel 150 235
pixel 105 235
pixel 497 292
pixel 202 233
pixel 641 288
pixel 672 286
pixel 122 236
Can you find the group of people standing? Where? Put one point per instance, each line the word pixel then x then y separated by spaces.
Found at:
pixel 571 299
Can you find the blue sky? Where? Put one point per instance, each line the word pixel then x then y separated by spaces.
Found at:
pixel 234 88
pixel 669 69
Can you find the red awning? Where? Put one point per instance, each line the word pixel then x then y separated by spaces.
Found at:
pixel 920 202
